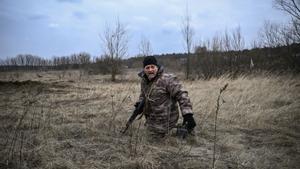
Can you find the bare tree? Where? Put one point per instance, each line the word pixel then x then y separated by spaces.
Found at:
pixel 226 41
pixel 270 34
pixel 216 43
pixel 292 7
pixel 187 33
pixel 207 44
pixel 145 48
pixel 115 46
pixel 238 42
pixel 256 44
pixel 287 34
pixel 295 30
pixel 84 58
pixel 200 48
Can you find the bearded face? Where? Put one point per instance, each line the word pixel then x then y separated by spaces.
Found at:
pixel 150 71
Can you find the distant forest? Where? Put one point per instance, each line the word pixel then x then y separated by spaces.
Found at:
pixel 206 64
pixel 203 63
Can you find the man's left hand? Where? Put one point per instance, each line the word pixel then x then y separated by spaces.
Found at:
pixel 189 122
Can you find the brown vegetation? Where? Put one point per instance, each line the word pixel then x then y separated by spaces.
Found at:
pixel 75 122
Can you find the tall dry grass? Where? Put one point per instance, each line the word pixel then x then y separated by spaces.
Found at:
pixel 75 122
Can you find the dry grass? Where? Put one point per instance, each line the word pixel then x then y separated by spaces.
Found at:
pixel 66 120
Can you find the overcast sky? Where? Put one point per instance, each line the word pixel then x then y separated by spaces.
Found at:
pixel 62 27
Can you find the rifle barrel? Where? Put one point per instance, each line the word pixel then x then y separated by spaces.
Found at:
pixel 138 110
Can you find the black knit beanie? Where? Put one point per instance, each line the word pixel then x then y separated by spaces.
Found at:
pixel 150 60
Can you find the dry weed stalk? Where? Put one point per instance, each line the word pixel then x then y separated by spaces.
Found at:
pixel 21 148
pixel 137 139
pixel 12 149
pixel 134 141
pixel 116 109
pixel 215 125
pixel 113 114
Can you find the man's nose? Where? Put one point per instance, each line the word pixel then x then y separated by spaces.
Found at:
pixel 151 69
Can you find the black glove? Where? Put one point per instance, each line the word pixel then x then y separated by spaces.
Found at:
pixel 136 104
pixel 189 122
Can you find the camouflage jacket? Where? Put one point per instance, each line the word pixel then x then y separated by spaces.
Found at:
pixel 161 97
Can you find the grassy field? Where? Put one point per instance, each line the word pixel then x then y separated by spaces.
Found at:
pixel 65 120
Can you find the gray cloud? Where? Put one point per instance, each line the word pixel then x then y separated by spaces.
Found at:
pixel 70 1
pixel 38 17
pixel 79 15
pixel 63 20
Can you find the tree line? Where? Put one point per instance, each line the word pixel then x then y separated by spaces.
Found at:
pixel 29 62
pixel 206 63
pixel 271 35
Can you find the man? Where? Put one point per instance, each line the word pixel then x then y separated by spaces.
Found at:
pixel 161 93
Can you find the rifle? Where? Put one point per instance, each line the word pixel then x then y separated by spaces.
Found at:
pixel 138 110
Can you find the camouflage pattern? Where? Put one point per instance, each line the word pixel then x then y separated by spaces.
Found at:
pixel 162 97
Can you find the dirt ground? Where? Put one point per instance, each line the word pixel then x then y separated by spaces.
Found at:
pixel 63 119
